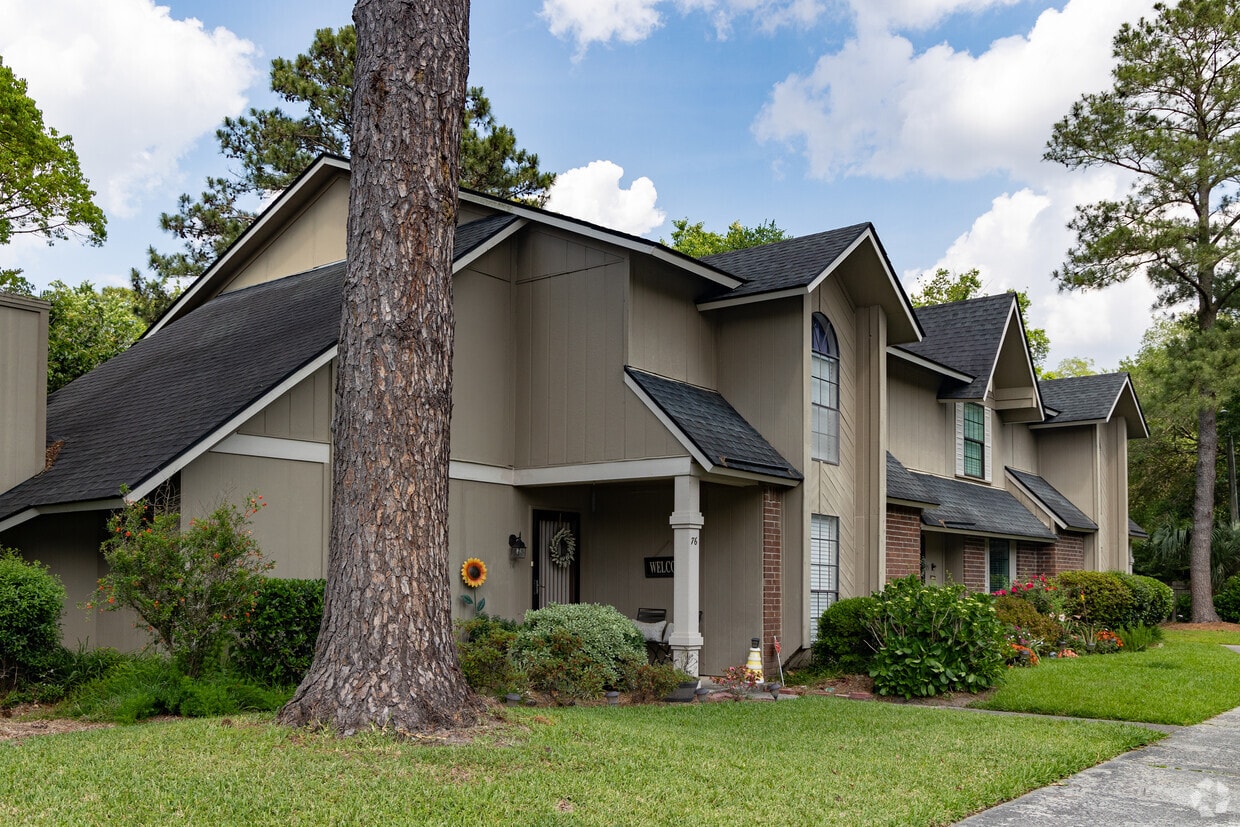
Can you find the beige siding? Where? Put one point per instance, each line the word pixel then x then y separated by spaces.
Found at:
pixel 921 430
pixel 572 405
pixel 480 518
pixel 484 362
pixel 303 413
pixel 731 589
pixel 23 388
pixel 312 238
pixel 1113 526
pixel 1066 459
pixel 667 333
pixel 292 530
pixel 1014 447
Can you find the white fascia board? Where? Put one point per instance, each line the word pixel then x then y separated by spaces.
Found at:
pixel 299 450
pixel 1036 501
pixel 942 370
pixel 1072 424
pixel 1127 386
pixel 601 234
pixel 109 504
pixel 671 426
pixel 480 472
pixel 619 471
pixel 892 281
pixel 487 246
pixel 753 298
pixel 219 434
pixel 266 217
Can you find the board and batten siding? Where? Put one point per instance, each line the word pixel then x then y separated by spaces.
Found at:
pixel 571 402
pixel 484 361
pixel 302 413
pixel 23 388
pixel 921 430
pixel 1014 447
pixel 668 335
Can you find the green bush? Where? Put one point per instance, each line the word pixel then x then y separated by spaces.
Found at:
pixel 577 649
pixel 654 681
pixel 31 600
pixel 1022 616
pixel 936 639
pixel 1227 601
pixel 1098 599
pixel 1184 608
pixel 276 644
pixel 482 648
pixel 62 671
pixel 1139 638
pixel 844 639
pixel 1152 600
pixel 189 587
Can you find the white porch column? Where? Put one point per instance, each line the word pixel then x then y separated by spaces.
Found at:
pixel 686 522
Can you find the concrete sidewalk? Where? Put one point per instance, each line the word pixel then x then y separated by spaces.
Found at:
pixel 1189 777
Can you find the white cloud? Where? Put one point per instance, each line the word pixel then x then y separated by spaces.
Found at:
pixel 134 87
pixel 915 14
pixel 878 108
pixel 593 193
pixel 631 21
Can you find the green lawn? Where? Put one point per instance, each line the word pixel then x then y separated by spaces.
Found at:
pixel 1185 681
pixel 815 760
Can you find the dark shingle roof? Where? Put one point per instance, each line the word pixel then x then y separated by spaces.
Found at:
pixel 964 336
pixel 785 264
pixel 902 485
pixel 979 509
pixel 1082 398
pixel 135 414
pixel 1135 530
pixel 713 426
pixel 1055 502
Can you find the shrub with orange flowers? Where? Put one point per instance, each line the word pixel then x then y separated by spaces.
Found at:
pixel 190 587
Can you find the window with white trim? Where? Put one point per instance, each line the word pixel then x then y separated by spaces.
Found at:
pixel 1000 565
pixel 825 390
pixel 973 440
pixel 824 567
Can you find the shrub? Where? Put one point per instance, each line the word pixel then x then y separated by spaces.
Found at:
pixel 62 671
pixel 1139 638
pixel 31 600
pixel 1227 601
pixel 651 682
pixel 1096 599
pixel 1021 615
pixel 1152 600
pixel 482 648
pixel 276 644
pixel 1184 608
pixel 571 648
pixel 844 636
pixel 936 639
pixel 189 587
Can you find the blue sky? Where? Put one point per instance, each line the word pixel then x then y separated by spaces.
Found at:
pixel 926 117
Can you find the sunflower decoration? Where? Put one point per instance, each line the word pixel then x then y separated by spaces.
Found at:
pixel 474 572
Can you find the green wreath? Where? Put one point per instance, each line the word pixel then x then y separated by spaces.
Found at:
pixel 563 548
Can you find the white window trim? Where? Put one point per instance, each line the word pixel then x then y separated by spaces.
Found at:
pixel 831 457
pixel 987 443
pixel 811 591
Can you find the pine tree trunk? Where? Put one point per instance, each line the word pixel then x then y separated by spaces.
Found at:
pixel 1200 580
pixel 386 655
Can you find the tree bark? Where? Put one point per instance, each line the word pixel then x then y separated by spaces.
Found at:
pixel 1199 566
pixel 385 655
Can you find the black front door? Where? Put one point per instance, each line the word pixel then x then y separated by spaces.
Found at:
pixel 557 538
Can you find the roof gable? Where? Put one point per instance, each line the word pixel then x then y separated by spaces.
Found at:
pixel 1081 400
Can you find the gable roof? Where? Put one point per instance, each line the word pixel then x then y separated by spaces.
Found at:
pixel 780 265
pixel 229 358
pixel 965 336
pixel 902 486
pixel 709 427
pixel 978 509
pixel 1051 501
pixel 1080 400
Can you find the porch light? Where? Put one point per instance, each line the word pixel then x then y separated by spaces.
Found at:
pixel 516 546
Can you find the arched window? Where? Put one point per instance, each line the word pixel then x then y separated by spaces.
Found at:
pixel 826 391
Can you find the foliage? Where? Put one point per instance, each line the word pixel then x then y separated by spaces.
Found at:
pixel 276 644
pixel 42 189
pixel 1152 601
pixel 653 681
pixel 1139 638
pixel 266 149
pixel 1168 549
pixel 482 648
pixel 1168 122
pixel 945 286
pixel 1095 599
pixel 573 648
pixel 696 241
pixel 55 676
pixel 1183 607
pixel 1025 619
pixel 935 639
pixel 31 601
pixel 142 687
pixel 739 681
pixel 1041 593
pixel 844 636
pixel 1071 366
pixel 1227 601
pixel 191 587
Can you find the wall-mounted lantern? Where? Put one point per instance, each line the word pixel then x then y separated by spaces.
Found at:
pixel 516 546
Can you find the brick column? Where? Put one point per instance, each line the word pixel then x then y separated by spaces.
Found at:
pixel 903 541
pixel 975 563
pixel 772 578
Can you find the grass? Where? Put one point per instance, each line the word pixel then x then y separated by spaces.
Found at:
pixel 816 760
pixel 1185 681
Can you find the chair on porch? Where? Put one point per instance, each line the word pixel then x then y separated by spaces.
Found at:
pixel 652 623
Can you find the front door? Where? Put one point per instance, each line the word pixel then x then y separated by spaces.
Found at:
pixel 557 557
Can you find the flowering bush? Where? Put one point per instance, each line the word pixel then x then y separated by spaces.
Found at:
pixel 1027 622
pixel 1022 656
pixel 739 681
pixel 1039 592
pixel 191 587
pixel 1107 642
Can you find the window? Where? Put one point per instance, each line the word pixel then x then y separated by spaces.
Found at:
pixel 1000 565
pixel 826 391
pixel 973 440
pixel 824 567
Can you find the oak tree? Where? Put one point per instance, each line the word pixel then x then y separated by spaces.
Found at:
pixel 1171 123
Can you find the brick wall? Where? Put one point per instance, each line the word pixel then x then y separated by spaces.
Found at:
pixel 772 576
pixel 1066 554
pixel 903 541
pixel 975 563
pixel 1030 559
